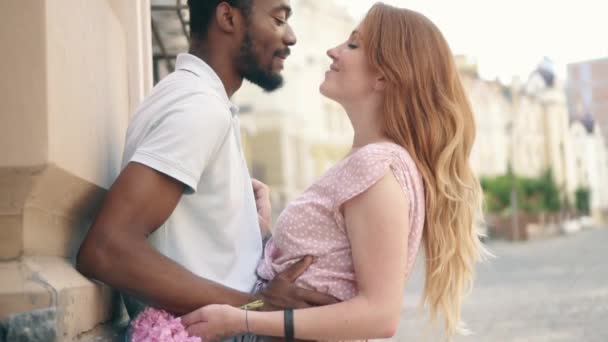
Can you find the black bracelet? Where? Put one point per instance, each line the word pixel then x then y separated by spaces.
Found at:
pixel 288 325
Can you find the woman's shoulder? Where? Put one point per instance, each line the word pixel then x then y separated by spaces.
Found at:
pixel 370 162
pixel 384 155
pixel 378 152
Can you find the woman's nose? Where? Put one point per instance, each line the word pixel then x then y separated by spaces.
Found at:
pixel 333 53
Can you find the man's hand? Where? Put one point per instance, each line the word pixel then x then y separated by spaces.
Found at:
pixel 281 293
pixel 262 203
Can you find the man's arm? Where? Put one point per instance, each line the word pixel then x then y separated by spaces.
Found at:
pixel 115 250
pixel 378 229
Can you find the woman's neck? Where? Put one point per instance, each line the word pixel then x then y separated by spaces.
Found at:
pixel 366 125
pixel 364 137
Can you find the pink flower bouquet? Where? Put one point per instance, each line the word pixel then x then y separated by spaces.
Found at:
pixel 154 325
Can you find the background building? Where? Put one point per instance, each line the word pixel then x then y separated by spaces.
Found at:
pixel 588 92
pixel 493 110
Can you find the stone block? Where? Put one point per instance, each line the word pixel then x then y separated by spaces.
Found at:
pixel 32 285
pixel 44 211
pixel 11 236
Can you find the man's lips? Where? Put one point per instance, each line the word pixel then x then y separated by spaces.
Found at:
pixel 283 54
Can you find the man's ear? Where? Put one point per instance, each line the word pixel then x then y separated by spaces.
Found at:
pixel 228 18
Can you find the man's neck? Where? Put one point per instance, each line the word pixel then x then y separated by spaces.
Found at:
pixel 222 65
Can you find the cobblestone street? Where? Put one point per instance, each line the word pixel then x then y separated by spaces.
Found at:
pixel 546 290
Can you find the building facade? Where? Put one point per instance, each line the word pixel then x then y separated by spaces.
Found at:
pixel 493 113
pixel 588 92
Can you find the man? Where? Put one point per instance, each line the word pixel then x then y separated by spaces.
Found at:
pixel 179 227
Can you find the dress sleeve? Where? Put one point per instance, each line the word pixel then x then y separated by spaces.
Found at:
pixel 361 170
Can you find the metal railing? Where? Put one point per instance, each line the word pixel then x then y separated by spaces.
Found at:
pixel 162 55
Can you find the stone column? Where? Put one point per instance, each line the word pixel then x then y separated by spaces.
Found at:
pixel 72 72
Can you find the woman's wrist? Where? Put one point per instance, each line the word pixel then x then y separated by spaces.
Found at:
pixel 239 318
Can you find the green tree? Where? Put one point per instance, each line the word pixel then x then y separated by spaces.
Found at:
pixel 582 197
pixel 534 194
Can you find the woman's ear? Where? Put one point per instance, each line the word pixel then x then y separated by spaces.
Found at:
pixel 380 83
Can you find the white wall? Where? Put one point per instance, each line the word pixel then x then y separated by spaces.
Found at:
pixel 590 165
pixel 529 146
pixel 492 111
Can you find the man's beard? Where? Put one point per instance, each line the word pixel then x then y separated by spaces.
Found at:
pixel 255 73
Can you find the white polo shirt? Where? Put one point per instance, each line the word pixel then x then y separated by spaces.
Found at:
pixel 189 130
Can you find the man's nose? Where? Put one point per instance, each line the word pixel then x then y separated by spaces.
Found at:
pixel 290 37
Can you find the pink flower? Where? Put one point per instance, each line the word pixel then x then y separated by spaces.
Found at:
pixel 154 325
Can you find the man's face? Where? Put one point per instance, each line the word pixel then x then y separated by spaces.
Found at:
pixel 266 43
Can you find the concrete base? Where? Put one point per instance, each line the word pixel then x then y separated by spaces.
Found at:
pixel 46 296
pixel 44 214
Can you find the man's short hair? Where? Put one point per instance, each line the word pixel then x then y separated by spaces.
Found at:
pixel 201 12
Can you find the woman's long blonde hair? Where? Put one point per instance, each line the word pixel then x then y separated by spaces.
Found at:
pixel 427 112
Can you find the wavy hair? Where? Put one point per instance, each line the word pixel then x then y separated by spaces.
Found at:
pixel 427 112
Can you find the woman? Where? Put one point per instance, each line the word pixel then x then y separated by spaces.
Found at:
pixel 406 180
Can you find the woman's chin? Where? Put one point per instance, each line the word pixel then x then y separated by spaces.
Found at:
pixel 325 91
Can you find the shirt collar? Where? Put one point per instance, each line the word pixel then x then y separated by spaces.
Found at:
pixel 197 66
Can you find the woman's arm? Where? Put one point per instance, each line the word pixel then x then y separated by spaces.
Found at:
pixel 377 226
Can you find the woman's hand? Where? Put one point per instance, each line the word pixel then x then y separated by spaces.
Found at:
pixel 262 204
pixel 215 322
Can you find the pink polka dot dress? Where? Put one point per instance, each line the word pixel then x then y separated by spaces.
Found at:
pixel 313 223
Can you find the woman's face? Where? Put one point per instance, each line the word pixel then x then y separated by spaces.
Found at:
pixel 349 78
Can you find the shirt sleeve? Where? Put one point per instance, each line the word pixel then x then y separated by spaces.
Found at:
pixel 181 143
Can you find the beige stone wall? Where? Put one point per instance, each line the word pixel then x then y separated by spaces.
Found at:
pixel 88 107
pixel 90 96
pixel 23 131
pixel 72 73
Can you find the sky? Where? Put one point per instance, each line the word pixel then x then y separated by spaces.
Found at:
pixel 509 38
